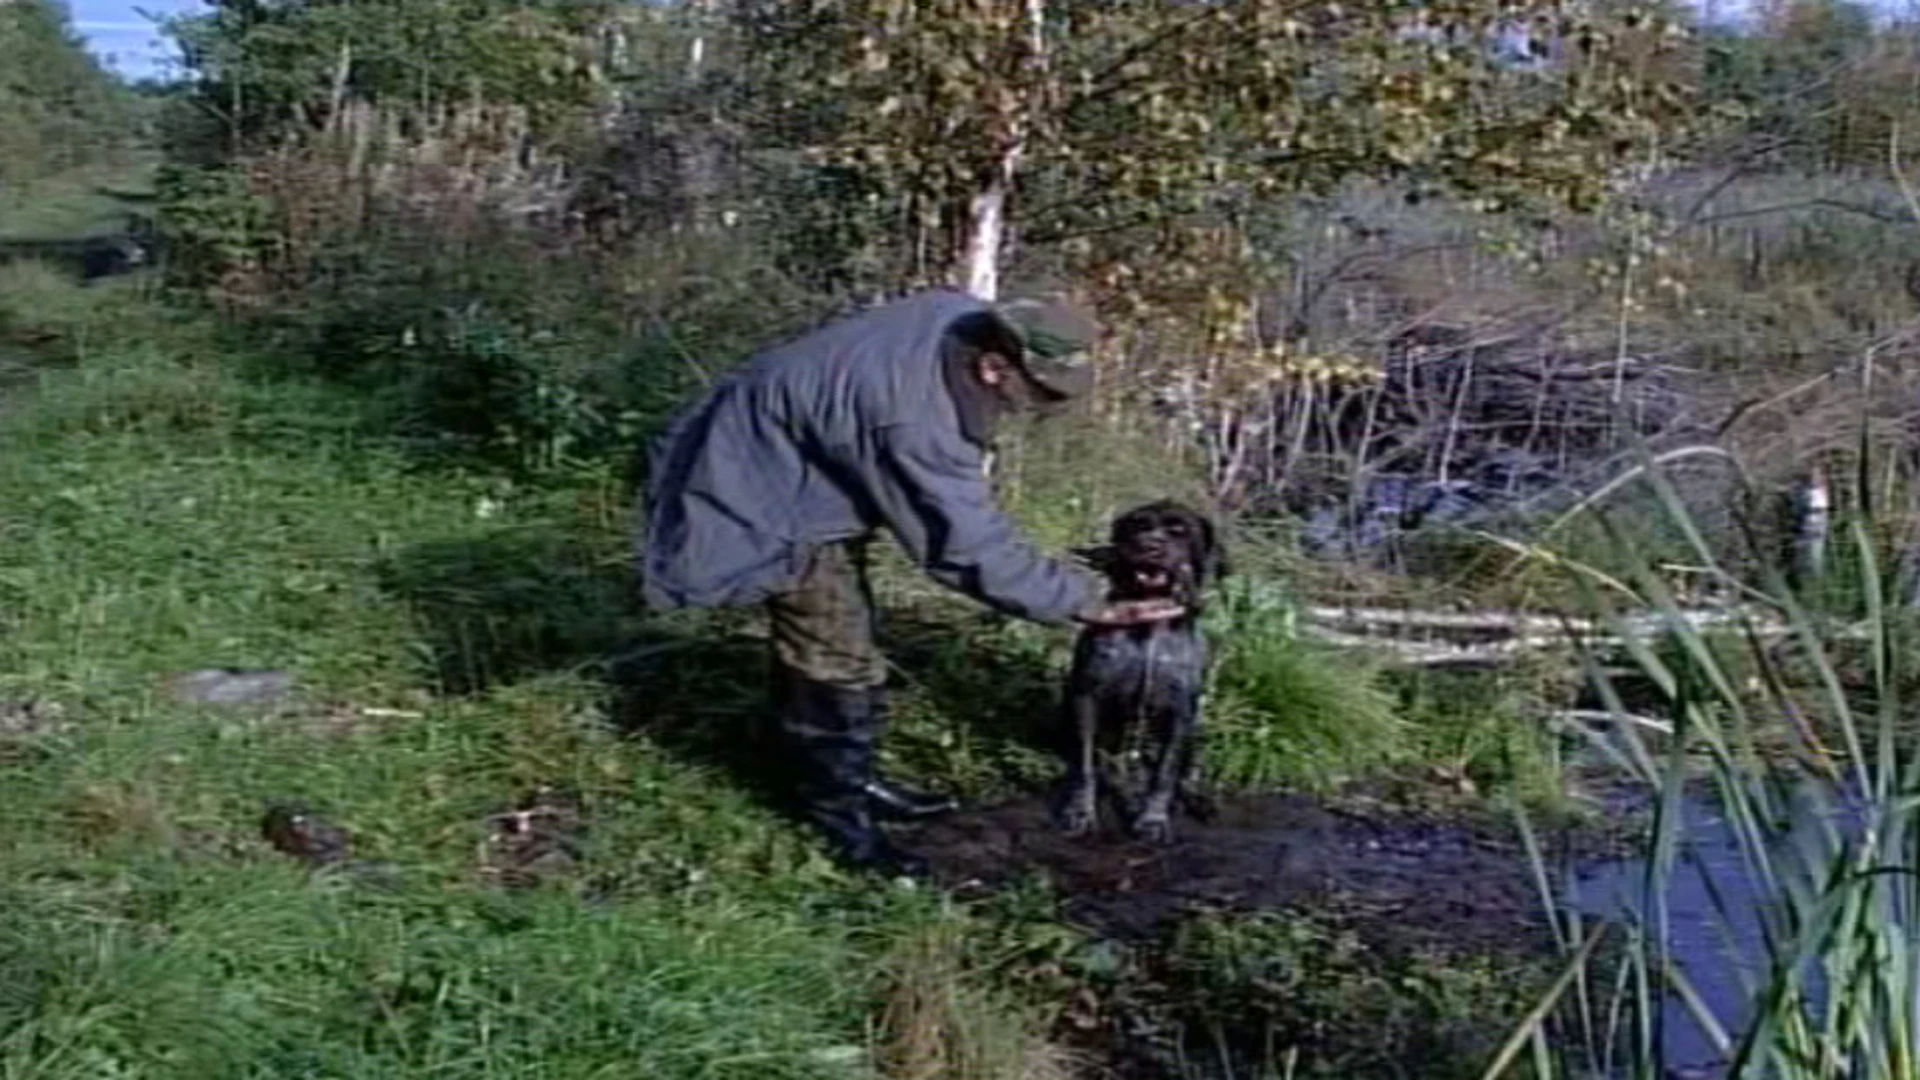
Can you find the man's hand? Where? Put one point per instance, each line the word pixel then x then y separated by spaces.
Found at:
pixel 1132 612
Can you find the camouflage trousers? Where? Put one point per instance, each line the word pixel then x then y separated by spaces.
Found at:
pixel 823 628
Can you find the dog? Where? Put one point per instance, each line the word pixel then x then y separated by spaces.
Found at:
pixel 1150 675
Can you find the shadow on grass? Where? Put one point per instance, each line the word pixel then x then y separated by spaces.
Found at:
pixel 967 713
pixel 518 603
pixel 987 680
pixel 500 607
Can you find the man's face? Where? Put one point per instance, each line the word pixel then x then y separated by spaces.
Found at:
pixel 1005 382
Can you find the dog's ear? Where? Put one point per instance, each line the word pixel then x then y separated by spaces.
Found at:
pixel 1098 557
pixel 1213 556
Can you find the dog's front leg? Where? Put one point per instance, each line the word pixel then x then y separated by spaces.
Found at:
pixel 1155 821
pixel 1082 810
pixel 1187 794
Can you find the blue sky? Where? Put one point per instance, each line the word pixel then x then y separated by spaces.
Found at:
pixel 119 34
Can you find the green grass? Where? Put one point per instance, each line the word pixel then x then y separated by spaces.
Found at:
pixel 461 635
pixel 1284 712
pixel 1298 994
pixel 159 513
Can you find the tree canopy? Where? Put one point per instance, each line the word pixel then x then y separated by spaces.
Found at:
pixel 58 107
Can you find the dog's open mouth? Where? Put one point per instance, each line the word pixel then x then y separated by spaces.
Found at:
pixel 1151 579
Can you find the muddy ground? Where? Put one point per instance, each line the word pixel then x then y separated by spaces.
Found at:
pixel 1412 879
pixel 1419 887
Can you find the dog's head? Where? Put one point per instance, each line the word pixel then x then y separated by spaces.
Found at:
pixel 1161 550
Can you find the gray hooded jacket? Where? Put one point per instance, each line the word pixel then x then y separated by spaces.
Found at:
pixel 844 430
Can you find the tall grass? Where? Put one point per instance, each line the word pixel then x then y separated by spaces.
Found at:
pixel 1283 711
pixel 945 1020
pixel 1807 754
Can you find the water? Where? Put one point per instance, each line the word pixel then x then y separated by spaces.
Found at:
pixel 1716 941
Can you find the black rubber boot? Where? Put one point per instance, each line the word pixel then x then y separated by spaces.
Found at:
pixel 889 799
pixel 905 804
pixel 830 732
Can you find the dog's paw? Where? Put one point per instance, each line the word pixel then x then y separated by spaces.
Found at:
pixel 1153 827
pixel 1201 807
pixel 1080 814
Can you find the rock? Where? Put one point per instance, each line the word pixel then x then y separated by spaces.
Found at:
pixel 847 1060
pixel 294 830
pixel 22 719
pixel 538 840
pixel 25 724
pixel 232 687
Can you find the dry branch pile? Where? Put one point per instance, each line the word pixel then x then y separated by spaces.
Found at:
pixel 1460 424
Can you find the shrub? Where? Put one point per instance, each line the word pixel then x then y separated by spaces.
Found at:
pixel 1284 711
pixel 1286 991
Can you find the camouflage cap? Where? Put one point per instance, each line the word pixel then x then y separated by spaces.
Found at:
pixel 1055 337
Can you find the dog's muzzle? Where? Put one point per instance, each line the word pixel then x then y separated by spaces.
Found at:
pixel 1163 573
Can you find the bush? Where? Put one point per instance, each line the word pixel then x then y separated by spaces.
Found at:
pixel 1283 711
pixel 1255 991
pixel 212 225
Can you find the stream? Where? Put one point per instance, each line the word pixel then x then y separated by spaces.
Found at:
pixel 1714 905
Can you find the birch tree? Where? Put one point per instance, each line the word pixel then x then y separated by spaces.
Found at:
pixel 1093 125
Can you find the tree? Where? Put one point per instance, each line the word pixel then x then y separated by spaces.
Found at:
pixel 1074 121
pixel 1816 81
pixel 58 108
pixel 268 71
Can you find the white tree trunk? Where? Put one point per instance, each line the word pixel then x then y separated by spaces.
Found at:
pixel 986 231
pixel 987 210
pixel 697 52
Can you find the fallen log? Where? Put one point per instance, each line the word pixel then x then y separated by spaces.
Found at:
pixel 1405 653
pixel 1601 718
pixel 1412 638
pixel 1528 622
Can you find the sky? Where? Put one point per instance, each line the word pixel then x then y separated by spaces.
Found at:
pixel 123 37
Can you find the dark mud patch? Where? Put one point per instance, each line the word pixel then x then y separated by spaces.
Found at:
pixel 1357 936
pixel 1408 879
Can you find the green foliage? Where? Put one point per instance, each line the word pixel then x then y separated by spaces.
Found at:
pixel 38 303
pixel 1822 837
pixel 1483 730
pixel 1820 83
pixel 46 315
pixel 489 353
pixel 469 384
pixel 1298 995
pixel 58 109
pixel 212 223
pixel 85 202
pixel 272 70
pixel 1122 124
pixel 1284 712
